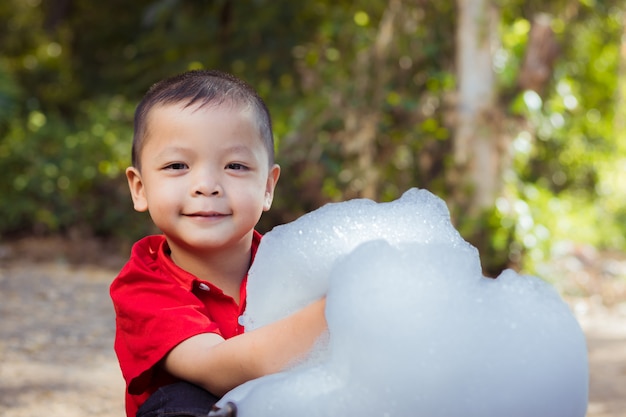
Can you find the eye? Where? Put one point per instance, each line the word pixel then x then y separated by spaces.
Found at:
pixel 236 166
pixel 176 166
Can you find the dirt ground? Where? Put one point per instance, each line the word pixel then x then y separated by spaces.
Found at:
pixel 57 329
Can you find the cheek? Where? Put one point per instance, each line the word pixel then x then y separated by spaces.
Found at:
pixel 164 197
pixel 252 198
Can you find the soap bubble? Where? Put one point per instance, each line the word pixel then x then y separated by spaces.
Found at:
pixel 414 329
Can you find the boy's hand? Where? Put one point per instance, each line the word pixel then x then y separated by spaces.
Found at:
pixel 229 410
pixel 220 365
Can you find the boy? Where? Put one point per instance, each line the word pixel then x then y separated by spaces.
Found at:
pixel 203 167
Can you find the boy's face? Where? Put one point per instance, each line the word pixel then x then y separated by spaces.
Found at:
pixel 205 176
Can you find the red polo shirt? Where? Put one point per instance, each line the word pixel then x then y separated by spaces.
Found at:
pixel 157 306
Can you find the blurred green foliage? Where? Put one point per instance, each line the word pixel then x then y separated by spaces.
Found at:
pixel 568 182
pixel 71 72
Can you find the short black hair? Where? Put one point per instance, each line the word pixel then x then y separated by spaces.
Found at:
pixel 203 87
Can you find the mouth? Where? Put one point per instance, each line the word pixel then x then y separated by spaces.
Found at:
pixel 205 215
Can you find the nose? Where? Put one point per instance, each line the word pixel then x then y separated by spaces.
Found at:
pixel 204 192
pixel 206 184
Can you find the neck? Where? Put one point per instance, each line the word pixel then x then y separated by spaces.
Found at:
pixel 224 268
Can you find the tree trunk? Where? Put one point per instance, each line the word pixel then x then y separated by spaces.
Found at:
pixel 371 75
pixel 541 52
pixel 476 176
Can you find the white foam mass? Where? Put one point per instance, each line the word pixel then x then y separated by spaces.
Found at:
pixel 414 327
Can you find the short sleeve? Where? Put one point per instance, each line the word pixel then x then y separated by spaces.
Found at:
pixel 154 313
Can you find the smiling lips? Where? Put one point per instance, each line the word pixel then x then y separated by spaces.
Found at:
pixel 206 214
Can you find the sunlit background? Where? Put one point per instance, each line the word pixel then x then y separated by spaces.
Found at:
pixel 365 99
pixel 512 111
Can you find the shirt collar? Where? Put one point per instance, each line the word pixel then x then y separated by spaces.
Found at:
pixel 187 279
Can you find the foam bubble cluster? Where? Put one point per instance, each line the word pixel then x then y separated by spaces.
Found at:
pixel 414 327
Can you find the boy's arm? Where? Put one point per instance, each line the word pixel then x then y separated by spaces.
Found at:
pixel 220 365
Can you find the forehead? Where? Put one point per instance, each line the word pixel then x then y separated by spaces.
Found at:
pixel 179 123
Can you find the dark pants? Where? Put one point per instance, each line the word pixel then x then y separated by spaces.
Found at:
pixel 180 399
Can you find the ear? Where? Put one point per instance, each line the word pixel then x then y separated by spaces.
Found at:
pixel 270 185
pixel 137 190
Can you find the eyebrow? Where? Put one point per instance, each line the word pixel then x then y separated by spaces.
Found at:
pixel 234 149
pixel 173 149
pixel 238 149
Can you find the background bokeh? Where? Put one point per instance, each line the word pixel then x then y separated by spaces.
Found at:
pixel 369 98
